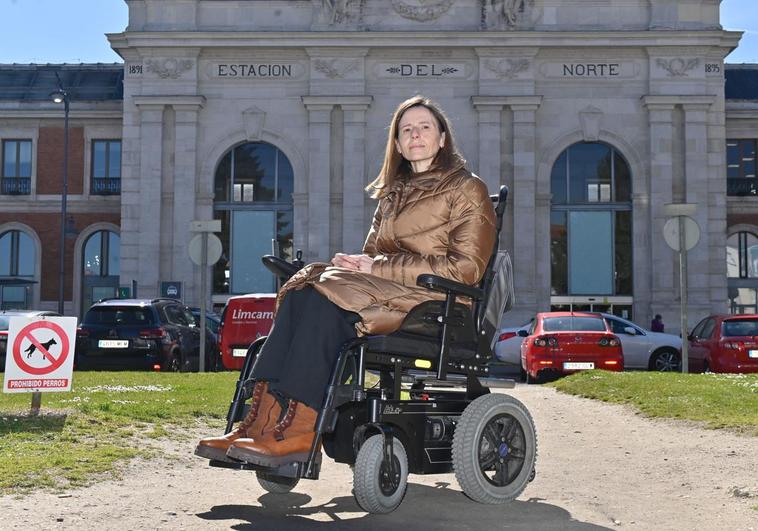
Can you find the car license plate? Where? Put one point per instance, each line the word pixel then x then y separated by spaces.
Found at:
pixel 752 353
pixel 578 365
pixel 239 352
pixel 113 343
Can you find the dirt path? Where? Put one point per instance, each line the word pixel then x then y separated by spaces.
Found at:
pixel 600 466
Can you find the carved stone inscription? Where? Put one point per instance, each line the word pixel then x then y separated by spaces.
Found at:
pixel 591 70
pixel 422 70
pixel 254 70
pixel 257 70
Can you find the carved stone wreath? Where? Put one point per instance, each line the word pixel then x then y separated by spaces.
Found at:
pixel 426 11
pixel 169 68
pixel 678 67
pixel 509 68
pixel 335 68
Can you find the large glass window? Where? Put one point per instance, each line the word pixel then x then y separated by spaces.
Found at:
pixel 742 272
pixel 253 199
pixel 740 167
pixel 101 256
pixel 106 167
pixel 17 167
pixel 17 262
pixel 591 222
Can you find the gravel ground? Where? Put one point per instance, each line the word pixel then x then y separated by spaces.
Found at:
pixel 600 466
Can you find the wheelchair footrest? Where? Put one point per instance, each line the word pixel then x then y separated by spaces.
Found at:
pixel 296 469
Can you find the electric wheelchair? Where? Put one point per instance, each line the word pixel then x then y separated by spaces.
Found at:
pixel 431 410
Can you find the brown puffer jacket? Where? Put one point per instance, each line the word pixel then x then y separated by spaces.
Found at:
pixel 439 223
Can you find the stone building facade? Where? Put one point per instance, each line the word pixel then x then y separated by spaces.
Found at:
pixel 272 116
pixel 523 81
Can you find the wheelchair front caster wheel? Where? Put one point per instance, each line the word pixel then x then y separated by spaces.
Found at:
pixel 379 488
pixel 276 484
pixel 494 449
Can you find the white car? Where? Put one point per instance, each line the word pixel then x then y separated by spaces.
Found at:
pixel 643 349
pixel 508 346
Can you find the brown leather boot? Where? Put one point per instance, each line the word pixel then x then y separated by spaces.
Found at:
pixel 262 417
pixel 289 441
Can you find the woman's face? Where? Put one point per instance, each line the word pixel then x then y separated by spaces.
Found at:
pixel 419 137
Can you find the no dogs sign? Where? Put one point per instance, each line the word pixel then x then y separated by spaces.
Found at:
pixel 40 354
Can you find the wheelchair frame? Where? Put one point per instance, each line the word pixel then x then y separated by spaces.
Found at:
pixel 423 421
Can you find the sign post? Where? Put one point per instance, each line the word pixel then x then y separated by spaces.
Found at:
pixel 682 233
pixel 204 250
pixel 40 356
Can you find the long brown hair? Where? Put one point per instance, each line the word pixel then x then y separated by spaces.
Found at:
pixel 396 166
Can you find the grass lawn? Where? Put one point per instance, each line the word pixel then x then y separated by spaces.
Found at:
pixel 99 423
pixel 717 400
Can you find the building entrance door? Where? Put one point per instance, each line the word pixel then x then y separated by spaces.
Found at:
pixel 95 288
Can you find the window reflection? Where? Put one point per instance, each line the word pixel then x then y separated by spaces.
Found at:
pixel 585 177
pixel 253 176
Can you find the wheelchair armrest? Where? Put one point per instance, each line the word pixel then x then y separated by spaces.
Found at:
pixel 445 285
pixel 280 268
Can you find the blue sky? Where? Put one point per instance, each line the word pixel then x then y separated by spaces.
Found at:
pixel 72 31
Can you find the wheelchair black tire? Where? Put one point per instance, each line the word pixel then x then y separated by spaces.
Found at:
pixel 367 476
pixel 467 445
pixel 276 484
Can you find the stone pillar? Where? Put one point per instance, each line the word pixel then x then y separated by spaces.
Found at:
pixel 143 215
pixel 354 175
pixel 528 271
pixel 489 111
pixel 185 195
pixel 319 149
pixel 660 258
pixel 712 228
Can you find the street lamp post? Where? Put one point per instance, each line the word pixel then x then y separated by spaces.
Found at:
pixel 61 96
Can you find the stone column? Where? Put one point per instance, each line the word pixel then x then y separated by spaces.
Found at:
pixel 147 210
pixel 354 174
pixel 319 140
pixel 660 260
pixel 711 245
pixel 488 112
pixel 528 271
pixel 185 195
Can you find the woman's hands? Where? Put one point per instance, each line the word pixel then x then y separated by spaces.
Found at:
pixel 356 262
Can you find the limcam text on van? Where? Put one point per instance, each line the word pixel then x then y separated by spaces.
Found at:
pixel 245 318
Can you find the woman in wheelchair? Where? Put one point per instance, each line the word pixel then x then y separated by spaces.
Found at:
pixel 434 216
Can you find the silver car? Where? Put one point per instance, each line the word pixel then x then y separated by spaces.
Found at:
pixel 643 349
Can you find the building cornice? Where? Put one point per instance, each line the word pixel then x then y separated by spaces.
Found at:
pixel 406 39
pixel 188 101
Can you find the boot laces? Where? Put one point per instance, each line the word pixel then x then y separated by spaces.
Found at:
pixel 255 404
pixel 286 422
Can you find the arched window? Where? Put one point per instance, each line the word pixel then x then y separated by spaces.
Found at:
pixel 253 198
pixel 742 272
pixel 17 263
pixel 101 256
pixel 591 222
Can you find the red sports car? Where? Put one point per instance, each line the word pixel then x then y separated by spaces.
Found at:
pixel 725 343
pixel 566 342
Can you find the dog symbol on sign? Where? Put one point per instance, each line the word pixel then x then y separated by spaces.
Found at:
pixel 31 348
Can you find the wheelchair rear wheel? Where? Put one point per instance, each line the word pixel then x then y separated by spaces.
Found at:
pixel 276 484
pixel 376 489
pixel 494 449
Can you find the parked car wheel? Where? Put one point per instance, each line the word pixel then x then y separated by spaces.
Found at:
pixel 666 361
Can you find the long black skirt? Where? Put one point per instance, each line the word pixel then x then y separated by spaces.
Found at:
pixel 302 347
